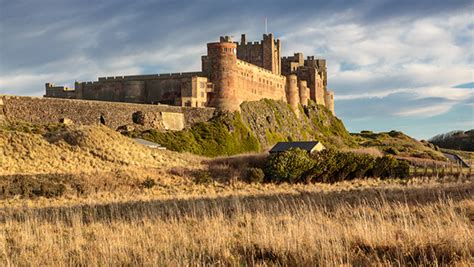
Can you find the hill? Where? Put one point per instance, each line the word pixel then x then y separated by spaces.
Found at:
pixel 398 144
pixel 65 149
pixel 258 126
pixel 458 140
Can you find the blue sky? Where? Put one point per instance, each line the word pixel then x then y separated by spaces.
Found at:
pixel 404 65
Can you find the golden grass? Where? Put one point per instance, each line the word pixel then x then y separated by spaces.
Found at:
pixel 378 225
pixel 81 149
pixel 113 220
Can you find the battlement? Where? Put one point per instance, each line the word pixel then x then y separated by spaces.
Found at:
pixel 232 72
pixel 225 39
pixel 149 76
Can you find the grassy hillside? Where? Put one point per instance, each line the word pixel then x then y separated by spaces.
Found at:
pixel 458 140
pixel 59 149
pixel 274 121
pixel 398 144
pixel 225 134
pixel 260 125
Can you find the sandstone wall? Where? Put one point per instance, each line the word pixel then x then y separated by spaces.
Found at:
pixel 255 83
pixel 156 88
pixel 50 110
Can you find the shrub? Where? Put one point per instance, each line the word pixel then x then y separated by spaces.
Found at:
pixel 148 183
pixel 288 166
pixel 384 167
pixel 392 151
pixel 203 177
pixel 329 166
pixel 402 170
pixel 332 166
pixel 32 186
pixel 255 175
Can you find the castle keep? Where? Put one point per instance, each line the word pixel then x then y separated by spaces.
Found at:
pixel 232 72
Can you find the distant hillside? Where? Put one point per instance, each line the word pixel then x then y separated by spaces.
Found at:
pixel 459 140
pixel 398 144
pixel 258 126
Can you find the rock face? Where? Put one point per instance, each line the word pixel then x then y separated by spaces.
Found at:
pixel 257 127
pixel 275 121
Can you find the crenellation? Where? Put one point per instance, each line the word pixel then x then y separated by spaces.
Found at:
pixel 232 72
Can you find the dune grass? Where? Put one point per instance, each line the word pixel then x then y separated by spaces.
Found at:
pixel 427 225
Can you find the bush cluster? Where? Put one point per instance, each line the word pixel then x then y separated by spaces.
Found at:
pixel 328 166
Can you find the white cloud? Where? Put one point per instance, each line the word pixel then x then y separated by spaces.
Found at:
pixel 429 111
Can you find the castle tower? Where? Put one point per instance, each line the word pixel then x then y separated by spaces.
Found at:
pixel 265 54
pixel 271 54
pixel 222 64
pixel 304 93
pixel 329 99
pixel 292 94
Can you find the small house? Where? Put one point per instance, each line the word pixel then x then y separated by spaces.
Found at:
pixel 308 146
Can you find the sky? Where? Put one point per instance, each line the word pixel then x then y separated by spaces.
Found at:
pixel 392 64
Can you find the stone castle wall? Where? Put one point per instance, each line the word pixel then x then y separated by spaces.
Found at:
pixel 231 73
pixel 150 89
pixel 49 110
pixel 255 83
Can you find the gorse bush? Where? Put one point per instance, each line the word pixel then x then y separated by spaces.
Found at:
pixel 330 166
pixel 148 183
pixel 255 175
pixel 289 166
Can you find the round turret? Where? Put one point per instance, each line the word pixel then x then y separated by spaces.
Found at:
pixel 222 58
pixel 304 93
pixel 292 95
pixel 329 99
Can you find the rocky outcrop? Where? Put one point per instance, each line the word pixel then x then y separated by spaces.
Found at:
pixel 274 121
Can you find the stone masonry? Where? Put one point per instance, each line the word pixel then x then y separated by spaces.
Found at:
pixel 231 73
pixel 48 110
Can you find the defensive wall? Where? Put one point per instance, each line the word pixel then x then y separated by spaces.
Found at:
pixel 232 73
pixel 150 89
pixel 40 110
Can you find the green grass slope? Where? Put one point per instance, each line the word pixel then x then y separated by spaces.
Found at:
pixel 274 121
pixel 224 134
pixel 398 144
pixel 258 126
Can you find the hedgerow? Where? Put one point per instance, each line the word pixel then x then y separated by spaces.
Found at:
pixel 330 166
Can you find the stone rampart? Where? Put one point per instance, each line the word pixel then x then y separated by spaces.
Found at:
pixel 50 110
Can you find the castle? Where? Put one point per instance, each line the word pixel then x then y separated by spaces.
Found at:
pixel 232 73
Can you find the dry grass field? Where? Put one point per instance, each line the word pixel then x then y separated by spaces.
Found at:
pixel 102 214
pixel 386 224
